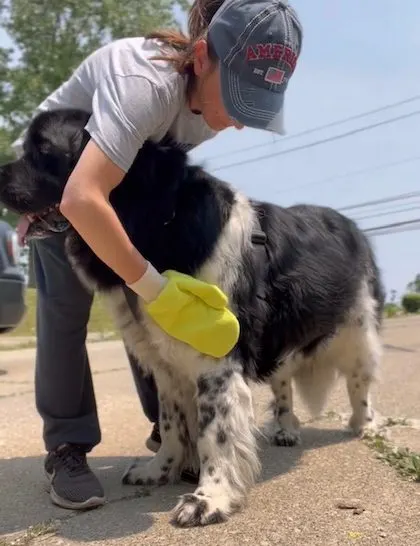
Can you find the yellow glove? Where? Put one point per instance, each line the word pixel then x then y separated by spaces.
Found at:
pixel 190 310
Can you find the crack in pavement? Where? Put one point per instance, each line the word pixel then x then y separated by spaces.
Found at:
pixel 11 382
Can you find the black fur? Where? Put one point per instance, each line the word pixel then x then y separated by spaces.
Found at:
pixel 291 297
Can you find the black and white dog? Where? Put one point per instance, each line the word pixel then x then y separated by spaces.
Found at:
pixel 302 280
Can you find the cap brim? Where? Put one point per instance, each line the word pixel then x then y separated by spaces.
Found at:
pixel 251 105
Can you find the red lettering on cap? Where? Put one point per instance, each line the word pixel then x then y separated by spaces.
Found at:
pixel 277 51
pixel 251 55
pixel 264 51
pixel 273 52
pixel 290 57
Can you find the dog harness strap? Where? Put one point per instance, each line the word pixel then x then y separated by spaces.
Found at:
pixel 259 240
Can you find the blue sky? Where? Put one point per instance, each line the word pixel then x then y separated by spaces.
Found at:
pixel 357 56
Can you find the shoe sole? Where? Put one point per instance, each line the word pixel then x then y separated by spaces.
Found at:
pixel 92 502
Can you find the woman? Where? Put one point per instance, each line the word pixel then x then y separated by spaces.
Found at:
pixel 232 71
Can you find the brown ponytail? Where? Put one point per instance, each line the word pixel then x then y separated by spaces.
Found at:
pixel 200 15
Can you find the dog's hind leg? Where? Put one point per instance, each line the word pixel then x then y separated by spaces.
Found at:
pixel 361 356
pixel 283 429
pixel 227 446
pixel 361 372
pixel 176 420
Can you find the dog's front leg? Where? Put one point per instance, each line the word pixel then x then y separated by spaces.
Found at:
pixel 227 448
pixel 167 464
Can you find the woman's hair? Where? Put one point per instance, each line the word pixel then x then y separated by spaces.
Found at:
pixel 200 14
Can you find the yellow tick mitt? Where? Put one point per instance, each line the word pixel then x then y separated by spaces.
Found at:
pixel 196 313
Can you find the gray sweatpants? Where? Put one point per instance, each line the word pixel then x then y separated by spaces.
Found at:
pixel 64 391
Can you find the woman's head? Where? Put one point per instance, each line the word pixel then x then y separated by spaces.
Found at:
pixel 239 57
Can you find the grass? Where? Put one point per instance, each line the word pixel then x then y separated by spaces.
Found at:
pixel 35 531
pixel 406 462
pixel 100 320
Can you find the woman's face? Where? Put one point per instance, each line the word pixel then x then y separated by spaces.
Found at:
pixel 207 95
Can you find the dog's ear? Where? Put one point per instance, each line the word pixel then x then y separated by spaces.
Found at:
pixel 55 141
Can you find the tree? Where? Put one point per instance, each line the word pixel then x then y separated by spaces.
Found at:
pixel 51 37
pixel 414 286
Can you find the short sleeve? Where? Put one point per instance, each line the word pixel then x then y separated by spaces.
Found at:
pixel 126 110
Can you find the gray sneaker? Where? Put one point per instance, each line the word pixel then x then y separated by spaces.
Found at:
pixel 73 485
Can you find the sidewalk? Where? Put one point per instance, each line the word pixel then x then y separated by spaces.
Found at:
pixel 297 500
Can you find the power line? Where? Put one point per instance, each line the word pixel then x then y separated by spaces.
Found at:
pixel 410 225
pixel 318 142
pixel 349 174
pixel 318 128
pixel 386 213
pixel 399 197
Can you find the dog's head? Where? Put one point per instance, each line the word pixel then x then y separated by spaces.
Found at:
pixel 33 185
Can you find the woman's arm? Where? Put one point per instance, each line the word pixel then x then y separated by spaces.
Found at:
pixel 126 110
pixel 85 203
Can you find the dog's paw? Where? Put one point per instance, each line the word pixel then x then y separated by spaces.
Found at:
pixel 285 437
pixel 364 427
pixel 195 510
pixel 150 474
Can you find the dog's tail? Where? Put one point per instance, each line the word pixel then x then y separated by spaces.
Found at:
pixel 314 381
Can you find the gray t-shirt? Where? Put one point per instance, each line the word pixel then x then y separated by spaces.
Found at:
pixel 131 98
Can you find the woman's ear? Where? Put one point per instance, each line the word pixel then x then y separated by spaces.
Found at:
pixel 202 61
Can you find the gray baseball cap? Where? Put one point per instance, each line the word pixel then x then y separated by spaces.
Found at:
pixel 258 43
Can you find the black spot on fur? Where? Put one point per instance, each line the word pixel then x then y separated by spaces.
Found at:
pixel 183 439
pixel 223 409
pixel 203 385
pixel 283 397
pixel 281 410
pixel 166 427
pixel 207 414
pixel 205 459
pixel 211 470
pixel 364 403
pixel 163 480
pixel 283 383
pixel 170 460
pixel 221 436
pixel 227 374
pixel 164 468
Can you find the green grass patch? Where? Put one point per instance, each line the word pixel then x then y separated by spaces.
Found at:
pixel 100 319
pixel 33 532
pixel 405 461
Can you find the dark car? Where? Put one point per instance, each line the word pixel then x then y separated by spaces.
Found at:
pixel 12 280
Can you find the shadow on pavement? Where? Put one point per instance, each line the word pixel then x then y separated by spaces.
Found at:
pixel 25 500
